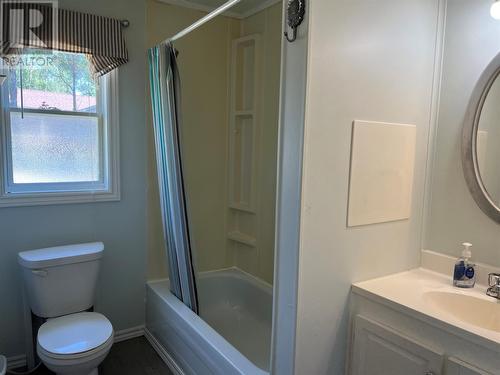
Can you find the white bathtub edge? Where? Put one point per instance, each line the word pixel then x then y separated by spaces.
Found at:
pixel 200 329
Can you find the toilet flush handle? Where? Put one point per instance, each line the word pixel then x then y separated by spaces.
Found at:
pixel 41 273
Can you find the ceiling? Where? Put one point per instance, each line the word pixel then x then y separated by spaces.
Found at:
pixel 241 10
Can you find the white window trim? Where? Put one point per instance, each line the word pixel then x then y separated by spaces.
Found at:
pixel 110 112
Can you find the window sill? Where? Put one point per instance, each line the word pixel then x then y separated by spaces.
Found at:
pixel 41 199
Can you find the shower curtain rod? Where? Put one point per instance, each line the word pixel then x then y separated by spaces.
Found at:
pixel 203 20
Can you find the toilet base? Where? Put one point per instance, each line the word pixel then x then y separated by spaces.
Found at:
pixel 78 366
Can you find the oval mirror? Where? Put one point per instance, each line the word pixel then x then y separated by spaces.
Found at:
pixel 481 141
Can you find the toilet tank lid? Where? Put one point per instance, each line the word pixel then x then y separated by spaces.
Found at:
pixel 59 255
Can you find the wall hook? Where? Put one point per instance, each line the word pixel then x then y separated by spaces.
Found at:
pixel 295 15
pixel 294 35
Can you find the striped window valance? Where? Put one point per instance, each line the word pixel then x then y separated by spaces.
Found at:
pixel 100 38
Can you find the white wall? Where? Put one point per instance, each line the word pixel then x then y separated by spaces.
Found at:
pixel 368 60
pixel 472 40
pixel 120 225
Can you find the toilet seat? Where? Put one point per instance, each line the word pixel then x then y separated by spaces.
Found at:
pixel 75 336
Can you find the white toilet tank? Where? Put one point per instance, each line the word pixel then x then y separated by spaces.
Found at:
pixel 61 280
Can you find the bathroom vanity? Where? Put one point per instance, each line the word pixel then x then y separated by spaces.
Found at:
pixel 417 323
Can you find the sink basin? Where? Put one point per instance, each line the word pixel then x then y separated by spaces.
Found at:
pixel 480 312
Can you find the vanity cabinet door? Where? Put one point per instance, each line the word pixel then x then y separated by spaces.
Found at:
pixel 379 350
pixel 457 367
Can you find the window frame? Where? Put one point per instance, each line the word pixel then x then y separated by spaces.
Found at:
pixel 108 186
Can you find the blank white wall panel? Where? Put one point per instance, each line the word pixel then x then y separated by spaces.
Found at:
pixel 382 167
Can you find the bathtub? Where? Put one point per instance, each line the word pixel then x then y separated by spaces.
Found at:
pixel 233 334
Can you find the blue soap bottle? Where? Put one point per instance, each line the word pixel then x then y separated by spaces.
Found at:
pixel 464 275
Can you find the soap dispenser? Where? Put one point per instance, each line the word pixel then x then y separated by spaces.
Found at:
pixel 464 275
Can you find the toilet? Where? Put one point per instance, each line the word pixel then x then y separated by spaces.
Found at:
pixel 60 283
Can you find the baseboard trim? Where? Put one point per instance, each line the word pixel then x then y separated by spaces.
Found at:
pixel 129 333
pixel 18 361
pixel 163 353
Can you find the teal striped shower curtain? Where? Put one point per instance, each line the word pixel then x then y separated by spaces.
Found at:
pixel 165 99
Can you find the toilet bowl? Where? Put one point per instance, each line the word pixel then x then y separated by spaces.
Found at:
pixel 75 344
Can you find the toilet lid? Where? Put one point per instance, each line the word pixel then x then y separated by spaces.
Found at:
pixel 74 333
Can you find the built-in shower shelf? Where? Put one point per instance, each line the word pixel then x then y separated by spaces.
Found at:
pixel 243 127
pixel 242 207
pixel 242 238
pixel 245 113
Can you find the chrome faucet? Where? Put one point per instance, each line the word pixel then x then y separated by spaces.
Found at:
pixel 494 285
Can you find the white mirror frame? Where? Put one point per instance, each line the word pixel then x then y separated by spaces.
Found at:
pixel 469 140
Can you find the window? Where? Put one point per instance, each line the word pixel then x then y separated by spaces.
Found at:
pixel 58 131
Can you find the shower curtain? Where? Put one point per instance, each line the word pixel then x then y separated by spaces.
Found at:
pixel 165 99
